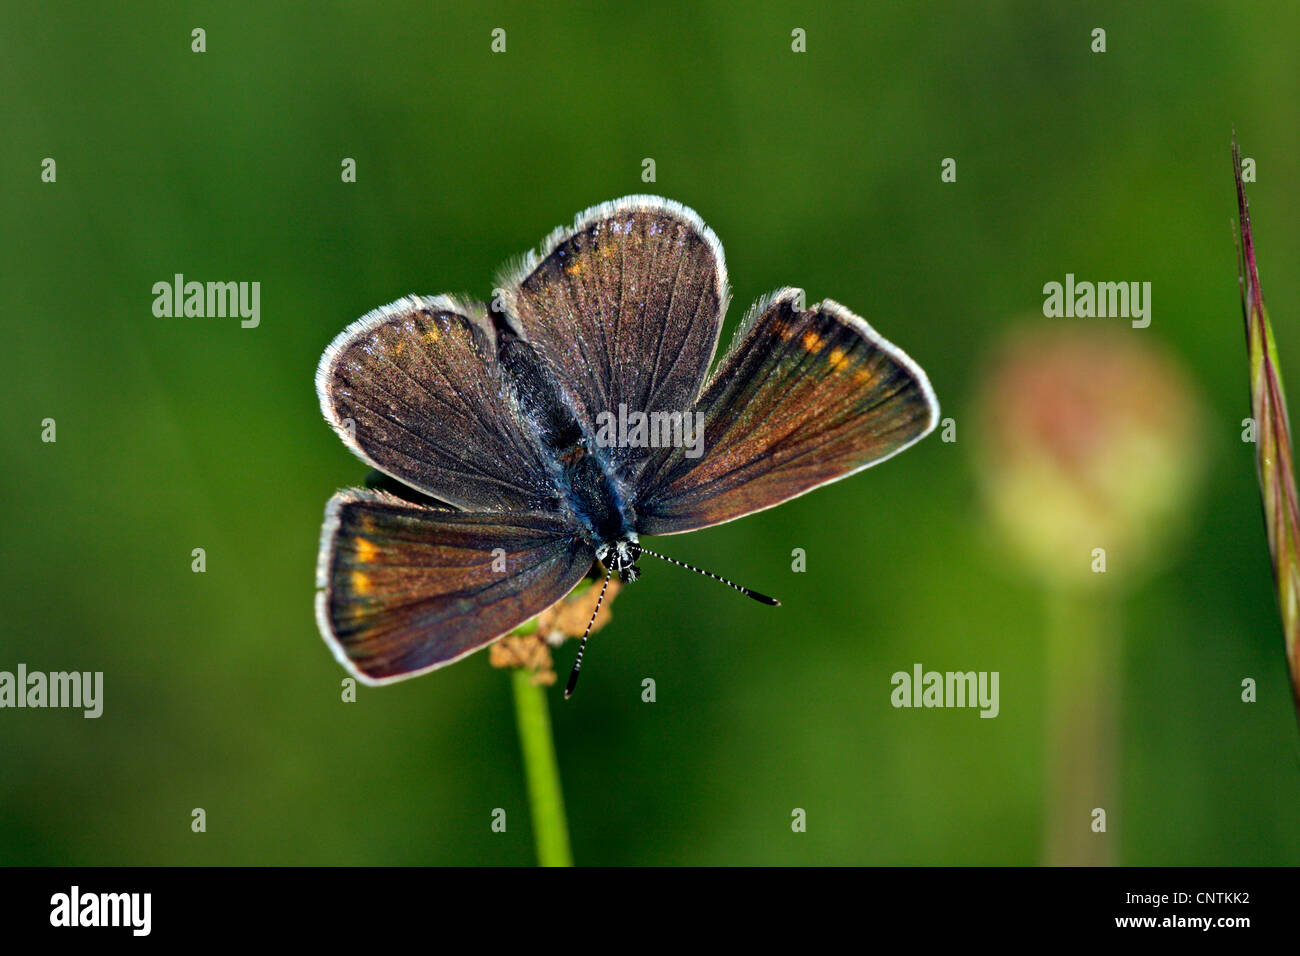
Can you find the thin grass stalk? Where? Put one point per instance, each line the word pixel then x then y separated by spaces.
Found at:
pixel 541 771
pixel 1273 437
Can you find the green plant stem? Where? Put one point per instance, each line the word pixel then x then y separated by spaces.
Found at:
pixel 1083 676
pixel 545 797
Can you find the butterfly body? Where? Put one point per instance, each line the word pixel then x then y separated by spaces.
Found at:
pixel 496 418
pixel 590 491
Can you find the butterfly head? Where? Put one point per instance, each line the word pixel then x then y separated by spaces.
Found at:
pixel 619 557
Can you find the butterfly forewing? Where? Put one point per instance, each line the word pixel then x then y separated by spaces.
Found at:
pixel 804 397
pixel 415 389
pixel 624 309
pixel 404 588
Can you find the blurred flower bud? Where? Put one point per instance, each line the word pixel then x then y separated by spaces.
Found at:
pixel 1089 452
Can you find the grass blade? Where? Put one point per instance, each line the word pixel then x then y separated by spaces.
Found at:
pixel 1273 436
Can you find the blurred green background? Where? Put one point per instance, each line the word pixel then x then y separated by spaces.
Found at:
pixel 819 170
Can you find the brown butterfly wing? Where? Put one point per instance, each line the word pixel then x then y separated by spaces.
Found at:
pixel 624 309
pixel 404 588
pixel 803 398
pixel 416 390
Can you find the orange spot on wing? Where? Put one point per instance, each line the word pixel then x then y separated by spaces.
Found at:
pixel 361 582
pixel 366 551
pixel 812 341
pixel 838 359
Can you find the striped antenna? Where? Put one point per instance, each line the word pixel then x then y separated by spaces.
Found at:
pixel 577 663
pixel 761 598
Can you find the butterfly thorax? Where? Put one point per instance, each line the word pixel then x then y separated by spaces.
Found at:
pixel 588 477
pixel 597 497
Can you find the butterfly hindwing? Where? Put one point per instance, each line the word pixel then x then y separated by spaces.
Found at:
pixel 415 390
pixel 803 398
pixel 624 309
pixel 404 588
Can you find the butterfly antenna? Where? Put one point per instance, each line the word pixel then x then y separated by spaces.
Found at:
pixel 577 663
pixel 761 598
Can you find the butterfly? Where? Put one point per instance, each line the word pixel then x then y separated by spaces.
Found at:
pixel 496 426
